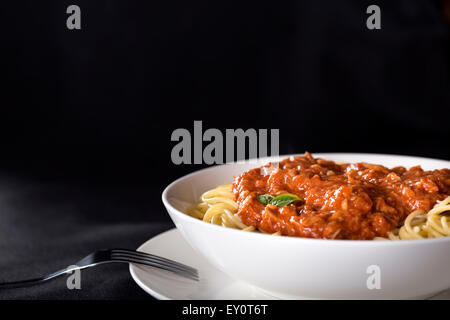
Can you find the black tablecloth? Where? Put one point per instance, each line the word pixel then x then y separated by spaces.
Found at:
pixel 48 225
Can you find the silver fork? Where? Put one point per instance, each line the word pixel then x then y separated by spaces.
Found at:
pixel 113 255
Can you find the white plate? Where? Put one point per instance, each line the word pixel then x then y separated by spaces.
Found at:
pixel 213 284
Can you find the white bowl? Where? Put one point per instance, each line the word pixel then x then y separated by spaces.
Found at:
pixel 289 267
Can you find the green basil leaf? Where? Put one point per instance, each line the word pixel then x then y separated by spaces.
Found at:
pixel 265 198
pixel 284 199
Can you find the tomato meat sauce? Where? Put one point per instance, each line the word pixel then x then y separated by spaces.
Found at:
pixel 358 201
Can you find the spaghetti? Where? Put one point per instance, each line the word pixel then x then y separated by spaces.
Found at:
pixel 420 225
pixel 217 206
pixel 317 198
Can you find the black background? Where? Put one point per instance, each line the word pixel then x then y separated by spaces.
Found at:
pixel 86 115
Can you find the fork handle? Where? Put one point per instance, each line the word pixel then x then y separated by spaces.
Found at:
pixel 31 282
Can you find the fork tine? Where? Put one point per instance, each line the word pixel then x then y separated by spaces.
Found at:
pixel 149 255
pixel 179 267
pixel 156 265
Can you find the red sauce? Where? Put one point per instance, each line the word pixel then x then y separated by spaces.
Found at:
pixel 341 201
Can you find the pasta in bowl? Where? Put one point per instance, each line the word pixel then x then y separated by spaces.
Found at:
pixel 311 208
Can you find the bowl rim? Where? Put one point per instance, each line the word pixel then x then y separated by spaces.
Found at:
pixel 333 242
